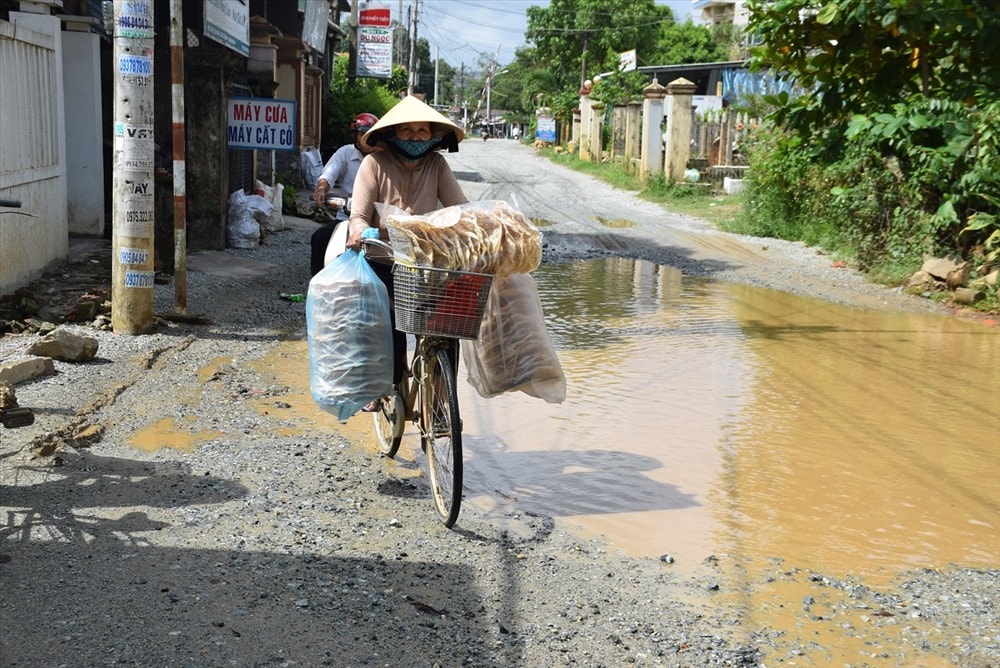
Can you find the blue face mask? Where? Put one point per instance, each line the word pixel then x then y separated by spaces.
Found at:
pixel 413 149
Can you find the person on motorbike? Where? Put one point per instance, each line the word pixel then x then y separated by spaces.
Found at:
pixel 342 166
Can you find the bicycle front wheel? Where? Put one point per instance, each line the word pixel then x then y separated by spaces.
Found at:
pixel 389 423
pixel 442 436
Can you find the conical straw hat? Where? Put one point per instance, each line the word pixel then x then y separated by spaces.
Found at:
pixel 412 109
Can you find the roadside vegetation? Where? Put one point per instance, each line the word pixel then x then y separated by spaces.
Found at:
pixel 888 150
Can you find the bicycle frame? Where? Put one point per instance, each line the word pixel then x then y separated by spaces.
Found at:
pixel 426 347
pixel 428 395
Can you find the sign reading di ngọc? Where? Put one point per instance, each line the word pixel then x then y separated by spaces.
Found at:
pixel 261 123
pixel 374 41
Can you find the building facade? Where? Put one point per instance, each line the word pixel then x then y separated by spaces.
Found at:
pixel 57 82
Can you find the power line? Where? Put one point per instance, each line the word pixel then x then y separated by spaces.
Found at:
pixel 466 19
pixel 604 28
pixel 444 29
pixel 446 21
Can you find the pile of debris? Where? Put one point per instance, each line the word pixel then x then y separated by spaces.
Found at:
pixel 33 311
pixel 954 275
pixel 77 292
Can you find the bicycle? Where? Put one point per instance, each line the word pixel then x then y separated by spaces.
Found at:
pixel 438 307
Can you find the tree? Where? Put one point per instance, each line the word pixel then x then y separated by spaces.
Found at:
pixel 915 85
pixel 579 34
pixel 687 42
pixel 855 56
pixel 447 84
pixel 344 100
pixel 424 83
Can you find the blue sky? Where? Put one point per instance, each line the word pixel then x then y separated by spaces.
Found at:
pixel 461 30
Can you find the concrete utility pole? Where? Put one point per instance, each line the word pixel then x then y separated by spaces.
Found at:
pixel 397 39
pixel 177 141
pixel 352 49
pixel 483 94
pixel 412 79
pixel 489 91
pixel 133 163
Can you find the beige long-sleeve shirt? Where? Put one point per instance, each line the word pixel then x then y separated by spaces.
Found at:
pixel 417 188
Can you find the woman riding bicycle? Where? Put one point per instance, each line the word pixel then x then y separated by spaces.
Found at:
pixel 404 170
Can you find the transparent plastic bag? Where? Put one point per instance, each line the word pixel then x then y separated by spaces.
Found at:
pixel 242 228
pixel 514 351
pixel 350 336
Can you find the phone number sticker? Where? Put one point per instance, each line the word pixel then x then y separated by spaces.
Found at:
pixel 135 215
pixel 133 255
pixel 139 279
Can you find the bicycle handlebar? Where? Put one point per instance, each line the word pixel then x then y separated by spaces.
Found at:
pixel 378 243
pixel 377 250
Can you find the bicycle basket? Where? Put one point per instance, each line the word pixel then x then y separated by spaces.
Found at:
pixel 439 302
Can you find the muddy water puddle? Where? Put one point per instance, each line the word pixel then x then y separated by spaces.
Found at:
pixel 705 418
pixel 170 433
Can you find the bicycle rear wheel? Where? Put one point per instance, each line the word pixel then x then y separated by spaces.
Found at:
pixel 442 436
pixel 389 422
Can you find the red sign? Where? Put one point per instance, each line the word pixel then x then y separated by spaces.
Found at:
pixel 374 16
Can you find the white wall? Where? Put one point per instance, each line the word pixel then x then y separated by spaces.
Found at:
pixel 84 133
pixel 33 146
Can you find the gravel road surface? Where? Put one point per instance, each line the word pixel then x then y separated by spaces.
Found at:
pixel 281 539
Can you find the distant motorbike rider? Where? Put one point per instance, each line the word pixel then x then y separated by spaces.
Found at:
pixel 343 167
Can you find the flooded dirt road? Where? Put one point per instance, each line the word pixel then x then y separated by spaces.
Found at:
pixel 707 417
pixel 725 401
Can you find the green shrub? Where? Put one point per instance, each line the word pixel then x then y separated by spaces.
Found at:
pixel 775 201
pixel 855 202
pixel 288 194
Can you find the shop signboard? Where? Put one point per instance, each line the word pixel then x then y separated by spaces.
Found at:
pixel 261 123
pixel 374 41
pixel 546 130
pixel 228 23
